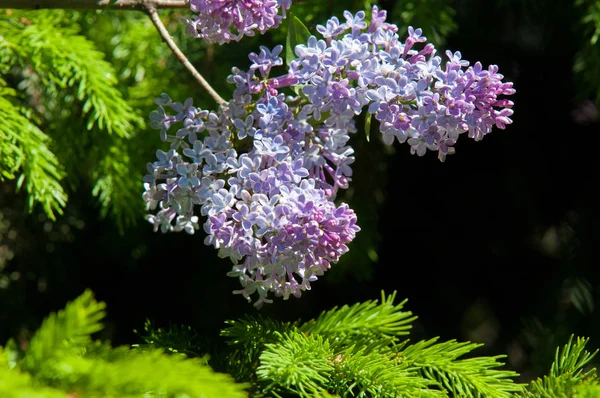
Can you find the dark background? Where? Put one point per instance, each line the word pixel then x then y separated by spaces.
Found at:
pixel 496 245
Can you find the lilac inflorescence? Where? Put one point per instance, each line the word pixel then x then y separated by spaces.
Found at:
pixel 221 21
pixel 266 167
pixel 265 210
pixel 413 94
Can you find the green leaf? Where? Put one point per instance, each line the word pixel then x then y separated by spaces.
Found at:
pixel 368 117
pixel 298 33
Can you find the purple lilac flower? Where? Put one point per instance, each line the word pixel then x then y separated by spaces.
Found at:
pixel 265 210
pixel 269 202
pixel 411 92
pixel 224 21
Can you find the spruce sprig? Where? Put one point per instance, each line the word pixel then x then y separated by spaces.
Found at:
pixel 16 384
pixel 298 363
pixel 25 152
pixel 64 333
pixel 567 373
pixel 248 338
pixel 176 339
pixel 355 352
pixel 62 360
pixel 65 59
pixel 72 95
pixel 469 377
pixel 362 372
pixel 117 182
pixel 372 319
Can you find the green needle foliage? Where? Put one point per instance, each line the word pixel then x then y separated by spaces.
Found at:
pixel 298 363
pixel 62 360
pixel 64 59
pixel 353 351
pixel 14 384
pixel 248 337
pixel 174 339
pixel 24 150
pixel 68 91
pixel 64 333
pixel 350 351
pixel 587 390
pixel 568 377
pixel 369 320
pixel 589 52
pixel 470 377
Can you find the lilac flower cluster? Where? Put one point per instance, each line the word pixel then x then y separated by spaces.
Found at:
pixel 412 94
pixel 265 168
pixel 264 209
pixel 221 21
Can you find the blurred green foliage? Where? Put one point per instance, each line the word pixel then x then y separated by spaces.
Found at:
pixel 62 360
pixel 587 58
pixel 68 91
pixel 435 17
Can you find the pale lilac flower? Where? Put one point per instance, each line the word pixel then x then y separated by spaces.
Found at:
pixel 266 59
pixel 245 128
pixel 188 175
pixel 224 21
pixel 269 202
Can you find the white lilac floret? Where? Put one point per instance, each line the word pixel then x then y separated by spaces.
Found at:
pixel 265 168
pixel 221 21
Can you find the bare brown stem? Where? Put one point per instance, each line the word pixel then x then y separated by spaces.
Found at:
pixel 151 10
pixel 149 6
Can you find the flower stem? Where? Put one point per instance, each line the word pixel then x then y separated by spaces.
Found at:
pixel 153 13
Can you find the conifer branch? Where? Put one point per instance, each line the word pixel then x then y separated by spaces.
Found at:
pixel 567 374
pixel 72 80
pixel 24 150
pixel 460 377
pixel 298 363
pixel 153 13
pixel 369 319
pixel 92 4
pixel 62 360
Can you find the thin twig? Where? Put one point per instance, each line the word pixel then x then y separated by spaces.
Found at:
pixel 167 38
pixel 92 4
